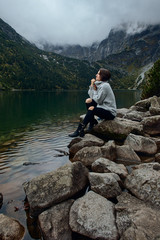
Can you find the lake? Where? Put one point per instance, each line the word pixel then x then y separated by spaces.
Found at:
pixel 34 128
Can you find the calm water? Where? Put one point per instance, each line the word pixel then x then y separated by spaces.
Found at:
pixel 34 128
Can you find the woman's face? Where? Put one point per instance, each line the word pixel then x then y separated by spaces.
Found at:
pixel 98 77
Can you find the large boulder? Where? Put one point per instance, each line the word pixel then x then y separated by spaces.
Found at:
pixel 109 150
pixel 126 155
pixel 87 155
pixel 144 182
pixel 105 184
pixel 48 189
pixel 121 112
pixel 93 216
pixel 10 228
pixel 135 220
pixel 54 222
pixel 146 104
pixel 141 144
pixel 117 129
pixel 151 125
pixel 104 165
pixel 88 141
pixel 134 116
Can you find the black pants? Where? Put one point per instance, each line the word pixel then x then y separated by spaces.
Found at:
pixel 99 112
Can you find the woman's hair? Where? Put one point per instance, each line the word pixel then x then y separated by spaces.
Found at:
pixel 105 74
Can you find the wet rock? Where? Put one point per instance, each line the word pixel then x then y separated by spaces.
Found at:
pixel 88 141
pixel 88 155
pixel 10 228
pixel 105 184
pixel 126 155
pixel 144 182
pixel 93 216
pixel 48 189
pixel 135 220
pixel 103 165
pixel 141 144
pixel 117 129
pixel 109 150
pixel 54 222
pixel 151 125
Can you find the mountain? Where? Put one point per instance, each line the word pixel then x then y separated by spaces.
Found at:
pixel 127 55
pixel 24 66
pixel 118 40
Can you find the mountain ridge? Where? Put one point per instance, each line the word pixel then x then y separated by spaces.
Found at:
pixel 117 41
pixel 24 66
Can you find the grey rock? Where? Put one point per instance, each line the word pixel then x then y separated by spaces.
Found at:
pixel 147 104
pixel 134 116
pixel 126 155
pixel 105 184
pixel 144 182
pixel 157 141
pixel 141 144
pixel 54 222
pixel 48 189
pixel 154 111
pixel 93 216
pixel 74 141
pixel 87 155
pixel 109 150
pixel 117 129
pixel 136 220
pixel 103 165
pixel 151 125
pixel 121 112
pixel 88 141
pixel 155 102
pixel 143 105
pixel 157 157
pixel 10 228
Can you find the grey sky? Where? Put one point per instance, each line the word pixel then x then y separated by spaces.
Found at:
pixel 75 21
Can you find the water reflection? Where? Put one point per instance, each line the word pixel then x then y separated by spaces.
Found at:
pixel 40 123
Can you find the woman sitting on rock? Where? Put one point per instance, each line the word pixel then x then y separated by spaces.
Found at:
pixel 101 102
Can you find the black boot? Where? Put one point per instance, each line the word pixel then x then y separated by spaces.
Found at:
pixel 92 124
pixel 79 131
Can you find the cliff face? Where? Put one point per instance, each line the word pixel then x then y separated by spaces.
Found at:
pixel 145 44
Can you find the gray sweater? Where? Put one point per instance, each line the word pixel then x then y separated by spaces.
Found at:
pixel 103 96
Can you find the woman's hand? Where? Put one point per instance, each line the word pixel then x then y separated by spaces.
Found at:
pixel 93 84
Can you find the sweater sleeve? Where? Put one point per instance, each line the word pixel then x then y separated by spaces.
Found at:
pixel 100 95
pixel 91 92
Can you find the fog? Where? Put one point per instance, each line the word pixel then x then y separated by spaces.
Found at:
pixel 76 21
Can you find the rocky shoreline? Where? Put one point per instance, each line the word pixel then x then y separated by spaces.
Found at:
pixel 110 190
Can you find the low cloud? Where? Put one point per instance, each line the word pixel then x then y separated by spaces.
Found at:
pixel 76 21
